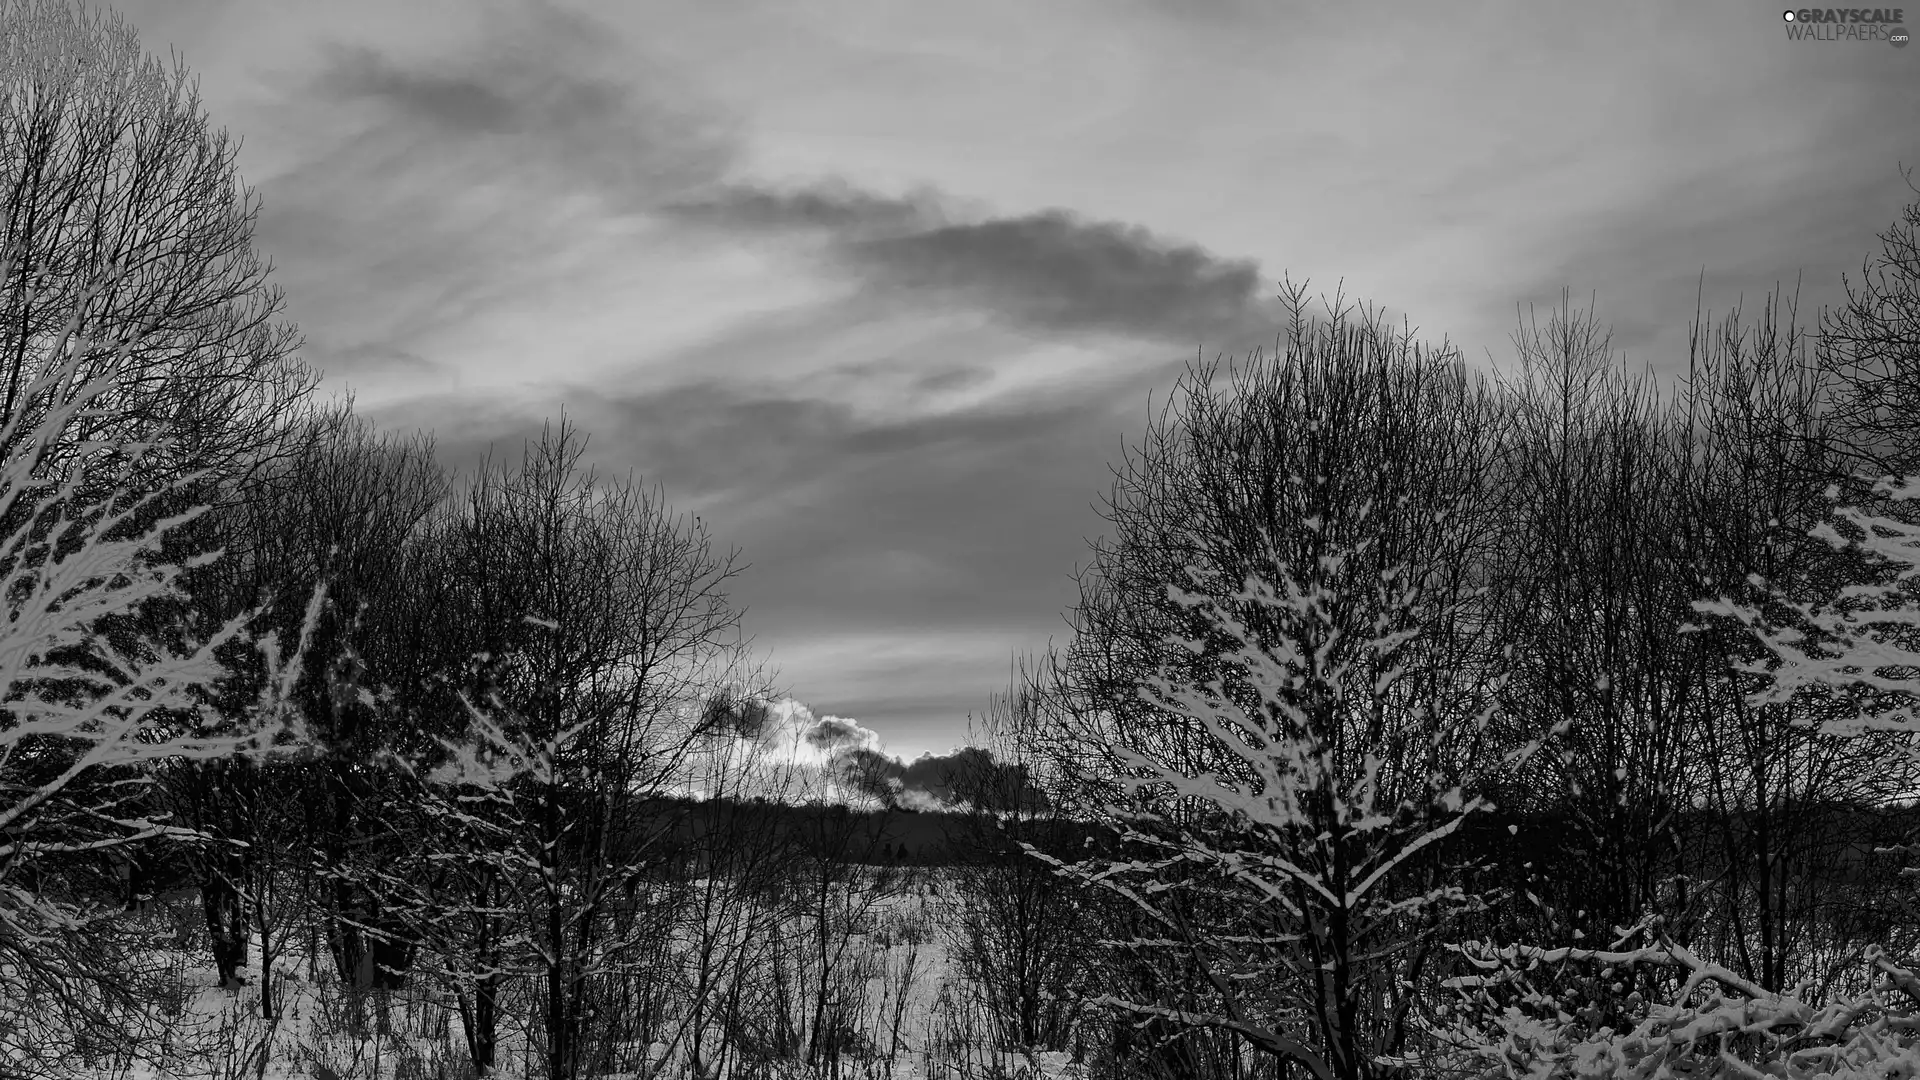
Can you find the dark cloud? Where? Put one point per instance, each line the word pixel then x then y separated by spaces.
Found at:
pixel 455 102
pixel 549 103
pixel 833 205
pixel 961 378
pixel 1057 271
pixel 1053 271
pixel 963 778
pixel 710 436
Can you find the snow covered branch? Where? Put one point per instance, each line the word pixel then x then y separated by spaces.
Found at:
pixel 1865 637
pixel 104 673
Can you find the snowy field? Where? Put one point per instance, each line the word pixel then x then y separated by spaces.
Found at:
pixel 907 994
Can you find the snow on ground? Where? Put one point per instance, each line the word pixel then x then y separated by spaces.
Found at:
pixel 913 994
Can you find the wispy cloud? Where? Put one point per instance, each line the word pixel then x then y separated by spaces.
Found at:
pixel 460 184
pixel 550 88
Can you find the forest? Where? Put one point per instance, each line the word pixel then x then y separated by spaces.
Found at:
pixel 1416 720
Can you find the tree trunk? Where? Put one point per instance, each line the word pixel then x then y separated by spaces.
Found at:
pixel 226 924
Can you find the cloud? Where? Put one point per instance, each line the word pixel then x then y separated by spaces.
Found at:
pixel 833 205
pixel 552 88
pixel 850 758
pixel 789 728
pixel 551 149
pixel 868 522
pixel 968 777
pixel 430 194
pixel 1057 271
pixel 456 102
pixel 1648 272
pixel 899 537
pixel 1051 271
pixel 835 736
pixel 467 428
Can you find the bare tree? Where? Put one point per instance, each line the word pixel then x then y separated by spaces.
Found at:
pixel 1872 342
pixel 343 507
pixel 835 895
pixel 1762 443
pixel 604 625
pixel 1019 933
pixel 1597 581
pixel 132 305
pixel 335 508
pixel 738 862
pixel 1803 721
pixel 109 171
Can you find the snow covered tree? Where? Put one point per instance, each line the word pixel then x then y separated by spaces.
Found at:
pixel 136 317
pixel 1305 859
pixel 1296 592
pixel 105 673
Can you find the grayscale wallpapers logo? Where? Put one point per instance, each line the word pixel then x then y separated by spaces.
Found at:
pixel 1848 24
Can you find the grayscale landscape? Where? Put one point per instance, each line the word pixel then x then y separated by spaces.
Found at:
pixel 882 539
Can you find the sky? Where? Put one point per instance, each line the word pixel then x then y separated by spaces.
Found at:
pixel 880 288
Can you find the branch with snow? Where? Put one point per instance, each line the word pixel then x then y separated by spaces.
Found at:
pixel 1310 824
pixel 1865 638
pixel 101 678
pixel 1716 1024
